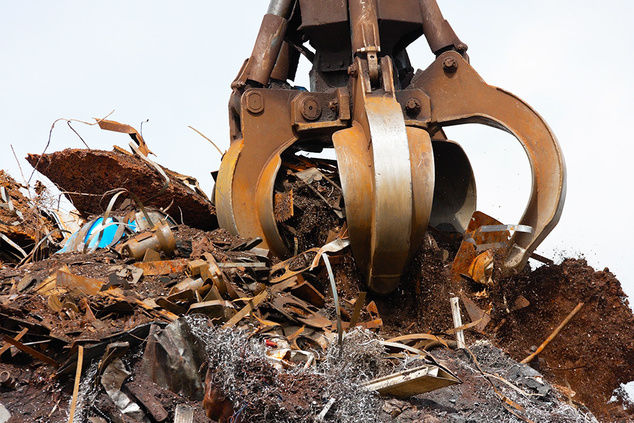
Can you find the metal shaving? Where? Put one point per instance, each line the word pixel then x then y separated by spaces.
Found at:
pixel 239 370
pixel 88 392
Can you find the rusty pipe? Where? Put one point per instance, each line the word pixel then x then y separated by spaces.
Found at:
pixel 282 69
pixel 364 26
pixel 269 42
pixel 438 32
pixel 364 31
pixel 280 8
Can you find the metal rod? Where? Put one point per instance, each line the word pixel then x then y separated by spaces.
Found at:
pixel 457 321
pixel 281 8
pixel 553 335
pixel 364 26
pixel 335 297
pixel 439 34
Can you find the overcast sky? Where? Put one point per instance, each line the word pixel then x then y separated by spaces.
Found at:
pixel 172 63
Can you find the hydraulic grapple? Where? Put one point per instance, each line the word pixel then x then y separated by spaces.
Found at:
pixel 399 173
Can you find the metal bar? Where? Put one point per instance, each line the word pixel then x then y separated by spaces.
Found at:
pixel 553 335
pixel 457 321
pixel 281 8
pixel 501 228
pixel 335 297
pixel 17 338
pixel 357 309
pixel 245 265
pixel 251 305
pixel 439 34
pixel 13 244
pixel 30 351
pixel 364 26
pixel 80 362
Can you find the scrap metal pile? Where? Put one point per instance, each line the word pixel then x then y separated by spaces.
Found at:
pixel 143 319
pixel 366 288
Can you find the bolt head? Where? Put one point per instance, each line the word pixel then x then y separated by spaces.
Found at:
pixel 255 102
pixel 450 65
pixel 413 106
pixel 311 110
pixel 352 70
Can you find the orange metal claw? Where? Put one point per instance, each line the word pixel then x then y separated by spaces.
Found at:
pixel 366 101
pixel 387 176
pixel 459 95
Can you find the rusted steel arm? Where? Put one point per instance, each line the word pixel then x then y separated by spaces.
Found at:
pixel 269 42
pixel 438 32
pixel 364 26
pixel 459 95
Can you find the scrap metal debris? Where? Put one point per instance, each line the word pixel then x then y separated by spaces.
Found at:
pixel 413 382
pixel 86 175
pixel 26 229
pixel 199 327
pixel 272 311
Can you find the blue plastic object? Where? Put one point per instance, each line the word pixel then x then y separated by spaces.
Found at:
pixel 107 235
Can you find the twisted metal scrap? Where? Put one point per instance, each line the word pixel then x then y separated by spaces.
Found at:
pixel 235 357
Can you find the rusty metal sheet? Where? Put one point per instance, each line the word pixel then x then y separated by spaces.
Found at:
pixel 251 305
pixel 111 125
pixel 463 263
pixel 476 314
pixel 413 382
pixel 307 292
pixel 78 285
pixel 287 269
pixel 299 311
pixel 212 308
pixel 155 268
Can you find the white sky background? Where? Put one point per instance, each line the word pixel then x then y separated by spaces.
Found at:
pixel 172 63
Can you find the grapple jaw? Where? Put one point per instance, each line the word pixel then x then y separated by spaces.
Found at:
pixel 396 181
pixel 387 175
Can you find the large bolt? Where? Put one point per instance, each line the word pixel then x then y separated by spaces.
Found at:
pixel 413 106
pixel 255 102
pixel 310 109
pixel 353 71
pixel 450 65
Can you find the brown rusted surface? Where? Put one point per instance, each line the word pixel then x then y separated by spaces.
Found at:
pixel 215 404
pixel 267 48
pixel 366 102
pixel 21 222
pixel 95 172
pixel 439 34
pixel 465 262
pixel 154 268
pixel 111 125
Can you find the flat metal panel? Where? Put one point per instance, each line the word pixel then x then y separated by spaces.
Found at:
pixel 400 10
pixel 323 12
